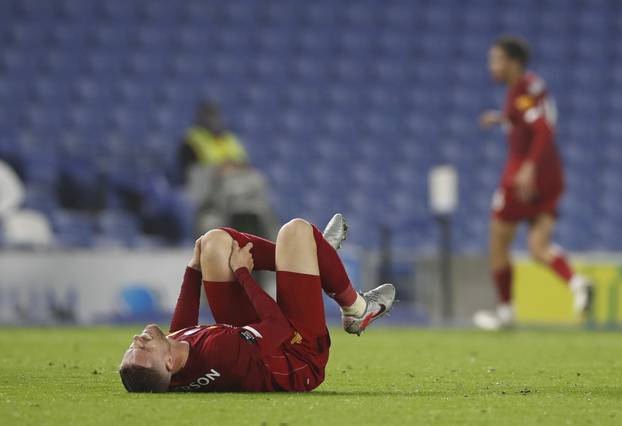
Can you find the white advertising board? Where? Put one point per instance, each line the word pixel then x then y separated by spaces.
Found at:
pixel 89 287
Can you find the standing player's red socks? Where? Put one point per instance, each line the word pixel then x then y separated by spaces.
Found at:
pixel 229 303
pixel 561 267
pixel 335 280
pixel 263 251
pixel 503 282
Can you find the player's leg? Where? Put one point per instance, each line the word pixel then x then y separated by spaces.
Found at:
pixel 541 249
pixel 299 287
pixel 263 250
pixel 299 295
pixel 501 237
pixel 227 300
pixel 335 281
pixel 545 252
pixel 358 310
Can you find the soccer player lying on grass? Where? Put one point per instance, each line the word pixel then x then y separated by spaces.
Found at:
pixel 257 344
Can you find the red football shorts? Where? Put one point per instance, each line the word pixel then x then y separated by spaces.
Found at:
pixel 507 207
pixel 300 365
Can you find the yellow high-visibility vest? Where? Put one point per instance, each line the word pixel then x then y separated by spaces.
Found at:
pixel 214 150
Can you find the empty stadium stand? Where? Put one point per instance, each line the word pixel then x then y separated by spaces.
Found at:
pixel 344 105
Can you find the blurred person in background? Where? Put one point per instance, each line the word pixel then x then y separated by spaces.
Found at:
pixel 19 227
pixel 217 175
pixel 532 182
pixel 209 143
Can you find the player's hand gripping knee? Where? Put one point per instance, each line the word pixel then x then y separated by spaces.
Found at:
pixel 241 257
pixel 195 262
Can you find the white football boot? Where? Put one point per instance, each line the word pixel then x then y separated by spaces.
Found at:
pixel 583 290
pixel 378 302
pixel 500 319
pixel 336 231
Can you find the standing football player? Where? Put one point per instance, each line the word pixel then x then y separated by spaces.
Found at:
pixel 532 182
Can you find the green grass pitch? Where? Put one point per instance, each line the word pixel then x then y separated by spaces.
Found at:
pixel 388 376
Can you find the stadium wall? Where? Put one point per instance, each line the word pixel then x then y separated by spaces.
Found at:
pixel 542 298
pixel 101 286
pixel 95 287
pixel 88 286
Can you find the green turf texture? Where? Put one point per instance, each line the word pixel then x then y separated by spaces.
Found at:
pixel 388 376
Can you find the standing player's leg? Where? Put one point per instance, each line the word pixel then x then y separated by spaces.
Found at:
pixel 546 253
pixel 502 236
pixel 227 300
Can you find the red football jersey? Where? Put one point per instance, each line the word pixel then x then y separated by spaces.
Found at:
pixel 221 359
pixel 265 356
pixel 531 116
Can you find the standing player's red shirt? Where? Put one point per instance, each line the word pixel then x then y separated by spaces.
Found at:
pixel 265 356
pixel 531 116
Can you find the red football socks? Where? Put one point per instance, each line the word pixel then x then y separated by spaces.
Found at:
pixel 560 266
pixel 503 282
pixel 335 280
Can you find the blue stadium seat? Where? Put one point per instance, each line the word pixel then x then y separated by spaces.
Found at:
pixel 73 229
pixel 362 97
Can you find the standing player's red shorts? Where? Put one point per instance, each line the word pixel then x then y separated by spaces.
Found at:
pixel 531 114
pixel 508 208
pixel 296 365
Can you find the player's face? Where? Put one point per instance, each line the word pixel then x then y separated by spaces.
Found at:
pixel 498 64
pixel 148 349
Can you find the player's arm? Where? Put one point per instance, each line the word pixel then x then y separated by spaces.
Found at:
pixel 542 139
pixel 273 326
pixel 491 118
pixel 187 309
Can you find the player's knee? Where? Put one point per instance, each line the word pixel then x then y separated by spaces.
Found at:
pixel 537 250
pixel 215 241
pixel 497 246
pixel 296 229
pixel 498 260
